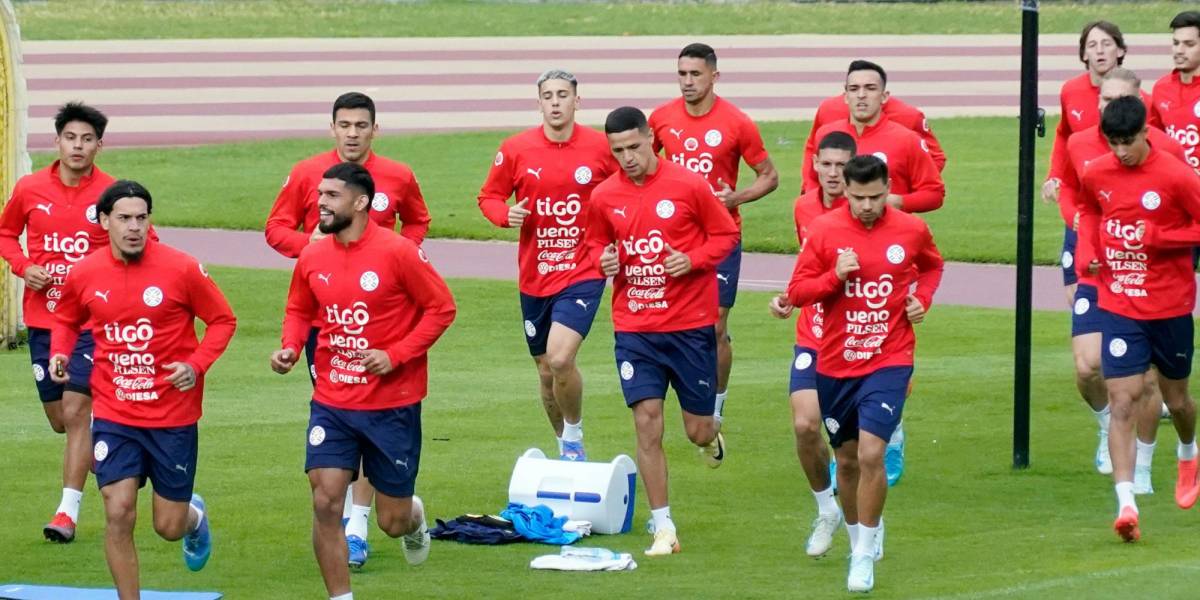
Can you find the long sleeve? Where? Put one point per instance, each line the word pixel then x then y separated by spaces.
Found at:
pixel 423 284
pixel 286 218
pixel 210 305
pixel 721 231
pixel 928 191
pixel 812 278
pixel 1058 152
pixel 931 142
pixel 1089 229
pixel 929 266
pixel 413 213
pixel 808 174
pixel 12 224
pixel 300 312
pixel 497 189
pixel 1067 193
pixel 599 231
pixel 1188 195
pixel 69 317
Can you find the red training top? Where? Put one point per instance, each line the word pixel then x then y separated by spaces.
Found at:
pixel 1080 103
pixel 1176 110
pixel 810 320
pixel 834 109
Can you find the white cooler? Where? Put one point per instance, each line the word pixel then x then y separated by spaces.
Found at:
pixel 602 493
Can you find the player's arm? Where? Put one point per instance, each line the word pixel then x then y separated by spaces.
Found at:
pixel 1068 191
pixel 210 305
pixel 928 192
pixel 1172 146
pixel 412 212
pixel 12 225
pixel 1058 154
pixel 655 139
pixel 498 188
pixel 69 316
pixel 753 151
pixel 931 142
pixel 427 288
pixel 808 174
pixel 600 237
pixel 286 219
pixel 721 232
pixel 1153 117
pixel 1088 209
pixel 929 264
pixel 814 278
pixel 1187 191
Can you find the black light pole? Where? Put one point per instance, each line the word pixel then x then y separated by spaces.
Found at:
pixel 1029 123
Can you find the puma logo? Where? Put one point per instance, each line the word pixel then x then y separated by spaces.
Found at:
pixel 891 411
pixel 44 207
pixel 580 302
pixel 1165 105
pixel 722 278
pixel 402 463
pixel 181 468
pixel 1107 195
pixel 675 132
pixel 1078 114
pixel 535 172
pixel 324 277
pixel 703 382
pixel 620 211
pixel 103 295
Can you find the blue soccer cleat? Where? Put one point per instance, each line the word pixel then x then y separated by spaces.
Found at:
pixel 573 451
pixel 893 458
pixel 197 545
pixel 833 474
pixel 359 549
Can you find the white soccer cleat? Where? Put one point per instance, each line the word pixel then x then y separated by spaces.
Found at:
pixel 879 541
pixel 416 544
pixel 862 573
pixel 1141 481
pixel 823 528
pixel 665 543
pixel 714 452
pixel 1103 460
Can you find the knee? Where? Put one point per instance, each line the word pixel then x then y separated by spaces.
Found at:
pixel 120 514
pixel 327 503
pixel 1087 368
pixel 395 524
pixel 701 432
pixel 559 364
pixel 170 529
pixel 808 428
pixel 57 424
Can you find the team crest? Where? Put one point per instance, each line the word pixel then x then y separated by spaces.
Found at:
pixel 499 159
pixel 1081 306
pixel 665 209
pixel 39 373
pixel 881 156
pixel 1117 347
pixel 91 214
pixel 583 175
pixel 152 296
pixel 1067 260
pixel 713 138
pixel 1196 109
pixel 895 254
pixel 380 202
pixel 530 329
pixel 626 370
pixel 803 361
pixel 1151 200
pixel 369 281
pixel 832 425
pixel 100 451
pixel 316 435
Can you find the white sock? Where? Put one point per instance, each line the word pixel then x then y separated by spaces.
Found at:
pixel 719 406
pixel 1125 495
pixel 1145 453
pixel 865 544
pixel 662 518
pixel 70 503
pixel 572 432
pixel 852 531
pixel 199 517
pixel 346 596
pixel 1102 417
pixel 826 505
pixel 348 503
pixel 897 435
pixel 1186 451
pixel 359 520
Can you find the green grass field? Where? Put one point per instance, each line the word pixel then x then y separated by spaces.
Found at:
pixel 132 19
pixel 961 524
pixel 977 223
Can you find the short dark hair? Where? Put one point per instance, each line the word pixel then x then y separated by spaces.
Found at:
pixel 352 100
pixel 866 65
pixel 1111 29
pixel 864 169
pixel 624 119
pixel 354 175
pixel 1123 118
pixel 838 140
pixel 1187 18
pixel 703 51
pixel 78 111
pixel 122 188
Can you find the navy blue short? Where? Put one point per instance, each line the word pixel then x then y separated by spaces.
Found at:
pixel 728 271
pixel 167 456
pixel 1085 313
pixel 386 442
pixel 310 354
pixel 1132 345
pixel 871 403
pixel 575 307
pixel 687 360
pixel 79 368
pixel 1070 240
pixel 803 370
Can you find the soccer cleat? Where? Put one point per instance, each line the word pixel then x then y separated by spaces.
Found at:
pixel 1187 487
pixel 1141 481
pixel 893 462
pixel 197 545
pixel 879 541
pixel 1103 460
pixel 1126 524
pixel 821 539
pixel 862 573
pixel 573 451
pixel 60 529
pixel 714 452
pixel 416 544
pixel 833 475
pixel 359 550
pixel 665 543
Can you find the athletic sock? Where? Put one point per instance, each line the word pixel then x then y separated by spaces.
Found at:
pixel 852 530
pixel 865 544
pixel 70 503
pixel 719 407
pixel 662 518
pixel 346 596
pixel 359 519
pixel 199 517
pixel 826 505
pixel 1125 495
pixel 1186 451
pixel 572 432
pixel 1145 453
pixel 897 435
pixel 348 503
pixel 1102 417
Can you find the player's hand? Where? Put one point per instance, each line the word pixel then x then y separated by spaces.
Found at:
pixel 376 362
pixel 36 277
pixel 609 262
pixel 283 360
pixel 1050 190
pixel 518 212
pixel 182 376
pixel 1094 267
pixel 317 235
pixel 914 309
pixel 780 307
pixel 677 263
pixel 724 193
pixel 895 201
pixel 58 369
pixel 847 262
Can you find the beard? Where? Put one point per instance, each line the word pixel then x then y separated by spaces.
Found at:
pixel 336 224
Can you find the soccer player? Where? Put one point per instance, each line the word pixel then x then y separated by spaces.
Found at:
pixel 710 136
pixel 141 299
pixel 553 169
pixel 1083 147
pixel 1138 215
pixel 381 307
pixel 833 152
pixel 874 270
pixel 659 232
pixel 1176 105
pixel 56 210
pixel 916 185
pixel 292 225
